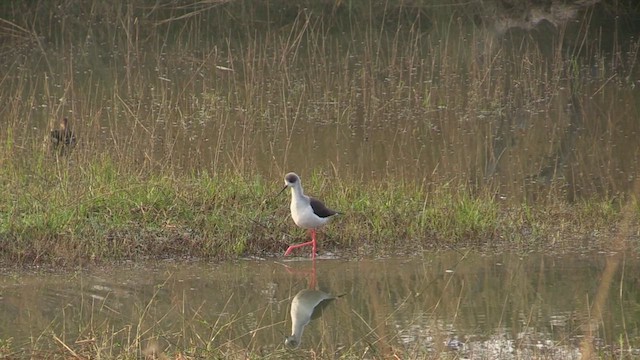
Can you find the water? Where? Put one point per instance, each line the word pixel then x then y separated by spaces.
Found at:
pixel 476 306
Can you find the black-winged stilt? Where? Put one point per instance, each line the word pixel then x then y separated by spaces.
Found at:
pixel 307 212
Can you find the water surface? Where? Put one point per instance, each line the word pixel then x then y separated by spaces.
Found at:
pixel 477 306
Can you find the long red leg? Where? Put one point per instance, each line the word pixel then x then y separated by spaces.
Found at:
pixel 313 281
pixel 313 240
pixel 293 247
pixel 312 243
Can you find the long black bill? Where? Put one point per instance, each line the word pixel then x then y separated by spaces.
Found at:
pixel 268 200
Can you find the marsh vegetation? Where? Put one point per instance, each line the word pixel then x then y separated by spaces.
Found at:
pixel 428 125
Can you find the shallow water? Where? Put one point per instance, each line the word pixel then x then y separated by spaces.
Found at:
pixel 477 306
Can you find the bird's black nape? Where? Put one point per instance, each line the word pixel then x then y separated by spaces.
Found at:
pixel 292 178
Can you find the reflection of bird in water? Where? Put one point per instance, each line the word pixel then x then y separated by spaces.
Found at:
pixel 307 305
pixel 63 138
pixel 307 212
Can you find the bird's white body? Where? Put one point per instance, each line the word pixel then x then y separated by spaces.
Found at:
pixel 301 210
pixel 303 306
pixel 307 212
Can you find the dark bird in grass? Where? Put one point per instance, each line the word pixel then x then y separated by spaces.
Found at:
pixel 63 139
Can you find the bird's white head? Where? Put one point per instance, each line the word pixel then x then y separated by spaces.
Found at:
pixel 291 180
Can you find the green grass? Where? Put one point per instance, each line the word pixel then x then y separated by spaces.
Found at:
pixel 78 213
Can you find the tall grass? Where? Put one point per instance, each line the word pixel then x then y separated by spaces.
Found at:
pixel 181 88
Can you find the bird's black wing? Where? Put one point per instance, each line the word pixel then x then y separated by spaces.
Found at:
pixel 320 209
pixel 318 310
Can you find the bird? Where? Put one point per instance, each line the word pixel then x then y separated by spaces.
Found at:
pixel 63 137
pixel 307 212
pixel 307 305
